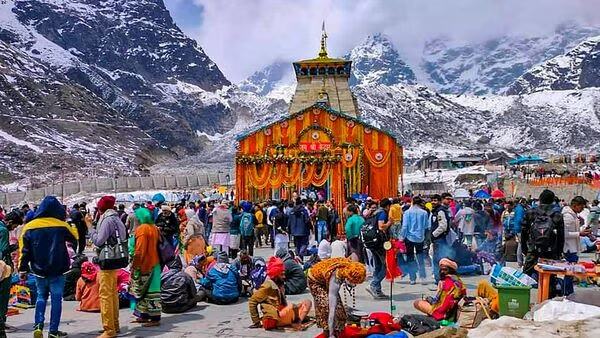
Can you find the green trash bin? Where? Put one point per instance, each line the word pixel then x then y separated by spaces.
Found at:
pixel 513 300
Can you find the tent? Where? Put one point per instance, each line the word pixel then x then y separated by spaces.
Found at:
pixel 526 160
pixel 158 198
pixel 461 193
pixel 481 194
pixel 497 194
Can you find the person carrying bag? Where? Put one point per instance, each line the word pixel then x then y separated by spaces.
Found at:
pixel 110 237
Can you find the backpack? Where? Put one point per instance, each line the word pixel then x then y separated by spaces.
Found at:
pixel 246 224
pixel 543 234
pixel 370 234
pixel 418 324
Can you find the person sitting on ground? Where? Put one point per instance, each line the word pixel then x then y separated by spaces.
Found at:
pixel 178 292
pixel 324 249
pixel 487 291
pixel 243 264
pixel 450 291
pixel 272 301
pixel 88 288
pixel 222 282
pixel 282 239
pixel 588 243
pixel 295 281
pixel 72 277
pixel 491 249
pixel 338 249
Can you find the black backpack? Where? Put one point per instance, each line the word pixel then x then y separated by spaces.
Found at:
pixel 418 324
pixel 543 235
pixel 370 234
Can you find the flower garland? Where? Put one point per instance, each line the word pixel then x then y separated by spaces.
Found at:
pixel 319 179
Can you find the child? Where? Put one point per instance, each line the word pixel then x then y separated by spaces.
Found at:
pixel 88 288
pixel 509 249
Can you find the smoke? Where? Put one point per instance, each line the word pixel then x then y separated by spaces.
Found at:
pixel 242 36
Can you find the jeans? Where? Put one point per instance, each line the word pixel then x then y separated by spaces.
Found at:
pixel 207 230
pixel 53 287
pixel 321 230
pixel 82 241
pixel 441 249
pixel 109 301
pixel 568 281
pixel 379 273
pixel 411 249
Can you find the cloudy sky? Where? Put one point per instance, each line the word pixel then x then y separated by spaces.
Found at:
pixel 242 36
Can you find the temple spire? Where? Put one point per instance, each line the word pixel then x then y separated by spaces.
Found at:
pixel 323 51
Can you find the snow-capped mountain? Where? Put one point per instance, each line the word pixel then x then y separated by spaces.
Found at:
pixel 376 61
pixel 128 59
pixel 490 67
pixel 577 69
pixel 267 79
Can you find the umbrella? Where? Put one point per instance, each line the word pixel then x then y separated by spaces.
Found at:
pixel 461 193
pixel 497 194
pixel 481 194
pixel 158 198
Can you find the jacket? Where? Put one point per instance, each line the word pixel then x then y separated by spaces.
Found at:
pixel 108 225
pixel 572 241
pixel 222 218
pixel 415 222
pixel 43 243
pixel 224 281
pixel 295 280
pixel 270 298
pixel 298 221
pixel 519 214
pixel 440 222
pixel 559 225
pixel 176 288
pixel 88 295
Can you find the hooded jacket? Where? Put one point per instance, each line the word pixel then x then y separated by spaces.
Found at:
pixel 298 221
pixel 572 241
pixel 295 280
pixel 224 281
pixel 43 243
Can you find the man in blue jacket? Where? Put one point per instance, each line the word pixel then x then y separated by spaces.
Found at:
pixel 415 223
pixel 222 282
pixel 43 246
pixel 299 223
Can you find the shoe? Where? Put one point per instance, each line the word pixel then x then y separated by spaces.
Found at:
pixel 413 282
pixel 376 294
pixel 38 333
pixel 57 334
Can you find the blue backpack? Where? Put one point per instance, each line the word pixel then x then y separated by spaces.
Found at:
pixel 246 224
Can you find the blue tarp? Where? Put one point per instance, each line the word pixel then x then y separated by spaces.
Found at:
pixel 526 160
pixel 158 198
pixel 481 194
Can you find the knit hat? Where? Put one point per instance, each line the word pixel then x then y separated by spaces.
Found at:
pixel 106 202
pixel 448 263
pixel 275 267
pixel 89 271
pixel 222 257
pixel 547 197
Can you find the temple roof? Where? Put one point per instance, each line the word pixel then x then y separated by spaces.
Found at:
pixel 322 106
pixel 323 57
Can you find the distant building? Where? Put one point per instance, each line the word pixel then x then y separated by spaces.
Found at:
pixel 432 163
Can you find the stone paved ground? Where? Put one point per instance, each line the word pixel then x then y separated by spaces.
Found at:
pixel 208 320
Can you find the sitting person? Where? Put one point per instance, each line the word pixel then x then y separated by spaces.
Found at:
pixel 295 281
pixel 450 291
pixel 88 288
pixel 243 264
pixel 490 250
pixel 324 249
pixel 123 277
pixel 487 291
pixel 276 312
pixel 72 277
pixel 178 292
pixel 222 283
pixel 588 243
pixel 338 249
pixel 258 274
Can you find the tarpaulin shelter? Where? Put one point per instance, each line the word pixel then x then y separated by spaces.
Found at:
pixel 497 194
pixel 461 193
pixel 533 159
pixel 481 194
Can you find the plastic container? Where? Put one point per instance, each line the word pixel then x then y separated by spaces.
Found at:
pixel 514 300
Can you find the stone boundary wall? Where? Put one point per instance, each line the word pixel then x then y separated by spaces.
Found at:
pixel 121 184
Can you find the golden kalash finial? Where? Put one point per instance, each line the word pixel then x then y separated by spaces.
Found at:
pixel 323 51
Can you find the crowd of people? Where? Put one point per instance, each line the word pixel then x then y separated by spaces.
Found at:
pixel 157 257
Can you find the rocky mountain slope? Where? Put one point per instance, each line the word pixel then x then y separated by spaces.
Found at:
pixel 51 123
pixel 577 69
pixel 490 67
